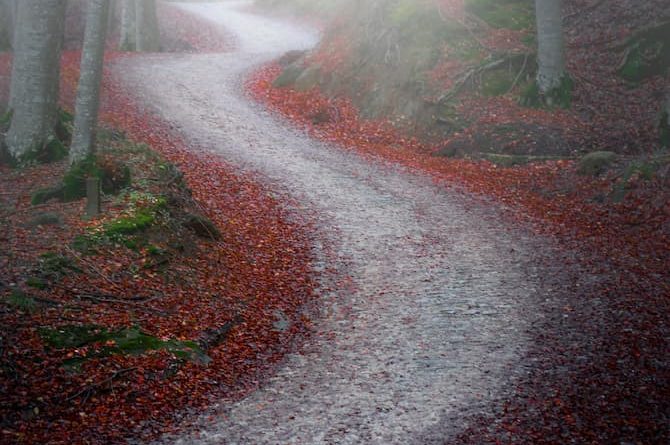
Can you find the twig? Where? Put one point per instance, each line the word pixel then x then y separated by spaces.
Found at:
pixel 110 300
pixel 95 386
pixel 92 267
pixel 518 76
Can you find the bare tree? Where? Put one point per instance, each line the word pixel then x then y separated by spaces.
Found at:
pixel 146 20
pixel 88 90
pixel 128 26
pixel 35 74
pixel 551 57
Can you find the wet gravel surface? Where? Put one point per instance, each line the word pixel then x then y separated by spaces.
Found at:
pixel 436 318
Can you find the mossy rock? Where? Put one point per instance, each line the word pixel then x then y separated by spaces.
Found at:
pixel 44 195
pixel 595 163
pixel 308 79
pixel 289 75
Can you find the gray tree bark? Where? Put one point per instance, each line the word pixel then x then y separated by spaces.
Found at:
pixel 128 26
pixel 551 57
pixel 88 90
pixel 148 36
pixel 7 22
pixel 35 74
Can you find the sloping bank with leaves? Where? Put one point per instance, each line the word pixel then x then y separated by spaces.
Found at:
pixel 187 287
pixel 610 208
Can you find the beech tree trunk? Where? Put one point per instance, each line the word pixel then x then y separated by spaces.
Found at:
pixel 128 26
pixel 551 57
pixel 88 90
pixel 148 37
pixel 35 74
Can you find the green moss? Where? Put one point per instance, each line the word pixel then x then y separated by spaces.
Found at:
pixel 113 177
pixel 129 225
pixel 593 164
pixel 36 282
pixel 21 301
pixel 126 341
pixel 5 121
pixel 560 96
pixel 47 194
pixel 509 14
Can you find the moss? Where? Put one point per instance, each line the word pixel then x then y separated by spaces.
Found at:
pixel 289 75
pixel 22 302
pixel 131 224
pixel 126 341
pixel 47 194
pixel 5 121
pixel 53 150
pixel 593 164
pixel 113 176
pixel 509 14
pixel 36 282
pixel 561 96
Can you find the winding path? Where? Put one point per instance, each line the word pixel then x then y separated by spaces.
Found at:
pixel 443 292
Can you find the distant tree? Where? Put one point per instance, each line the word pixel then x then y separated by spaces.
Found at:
pixel 146 20
pixel 551 51
pixel 128 26
pixel 88 90
pixel 35 74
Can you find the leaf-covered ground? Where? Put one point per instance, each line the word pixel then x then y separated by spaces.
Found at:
pixel 108 331
pixel 609 383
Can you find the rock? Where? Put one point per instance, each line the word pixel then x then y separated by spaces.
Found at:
pixel 288 76
pixel 308 79
pixel 291 57
pixel 595 163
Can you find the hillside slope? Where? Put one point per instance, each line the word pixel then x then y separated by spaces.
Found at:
pixel 455 72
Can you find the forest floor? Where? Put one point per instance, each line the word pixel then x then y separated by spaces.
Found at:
pixel 113 325
pixel 471 303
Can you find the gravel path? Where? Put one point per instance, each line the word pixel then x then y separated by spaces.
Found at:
pixel 443 292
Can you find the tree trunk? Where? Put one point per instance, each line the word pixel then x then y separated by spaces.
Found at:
pixel 148 37
pixel 128 26
pixel 551 58
pixel 7 22
pixel 88 90
pixel 35 74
